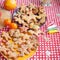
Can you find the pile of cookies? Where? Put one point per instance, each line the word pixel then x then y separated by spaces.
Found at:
pixel 27 15
pixel 15 44
pixel 24 39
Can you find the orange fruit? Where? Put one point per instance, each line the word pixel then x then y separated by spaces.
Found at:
pixel 13 26
pixel 10 4
pixel 7 22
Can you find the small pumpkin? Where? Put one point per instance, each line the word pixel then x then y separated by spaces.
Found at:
pixel 7 22
pixel 13 26
pixel 10 4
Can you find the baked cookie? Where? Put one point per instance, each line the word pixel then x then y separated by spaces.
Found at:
pixel 17 44
pixel 14 44
pixel 29 14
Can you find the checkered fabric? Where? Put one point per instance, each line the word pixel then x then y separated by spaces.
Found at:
pixel 53 45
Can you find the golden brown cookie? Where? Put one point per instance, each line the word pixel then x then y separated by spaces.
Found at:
pixel 17 45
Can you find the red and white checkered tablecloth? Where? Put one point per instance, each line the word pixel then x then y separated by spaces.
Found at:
pixel 53 45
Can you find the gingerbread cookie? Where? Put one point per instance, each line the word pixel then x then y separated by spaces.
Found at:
pixel 14 44
pixel 30 14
